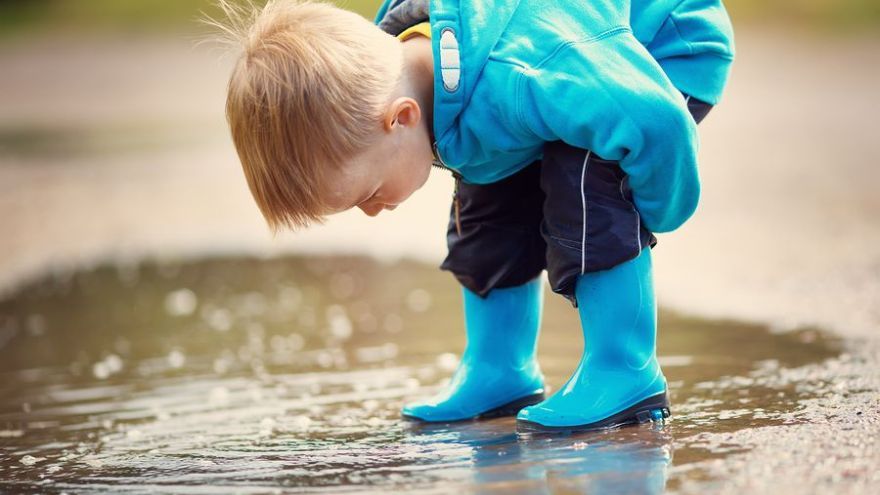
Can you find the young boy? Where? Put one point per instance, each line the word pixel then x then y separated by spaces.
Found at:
pixel 565 126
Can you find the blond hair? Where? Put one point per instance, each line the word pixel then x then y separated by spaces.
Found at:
pixel 306 93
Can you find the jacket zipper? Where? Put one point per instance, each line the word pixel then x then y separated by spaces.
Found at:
pixel 456 202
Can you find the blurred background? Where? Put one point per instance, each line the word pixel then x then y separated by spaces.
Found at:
pixel 121 195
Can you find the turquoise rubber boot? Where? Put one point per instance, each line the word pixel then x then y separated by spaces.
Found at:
pixel 618 380
pixel 498 373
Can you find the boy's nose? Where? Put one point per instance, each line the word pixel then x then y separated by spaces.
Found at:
pixel 371 210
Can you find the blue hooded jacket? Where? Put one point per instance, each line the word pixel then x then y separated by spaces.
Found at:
pixel 511 75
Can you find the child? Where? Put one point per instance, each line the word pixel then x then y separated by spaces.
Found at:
pixel 571 143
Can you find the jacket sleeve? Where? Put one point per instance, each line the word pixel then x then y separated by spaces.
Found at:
pixel 694 46
pixel 609 96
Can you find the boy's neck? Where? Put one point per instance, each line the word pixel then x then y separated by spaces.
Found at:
pixel 418 69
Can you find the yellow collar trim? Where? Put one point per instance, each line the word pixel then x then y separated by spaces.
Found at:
pixel 423 29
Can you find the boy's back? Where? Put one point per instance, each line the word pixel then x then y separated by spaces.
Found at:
pixel 537 73
pixel 692 31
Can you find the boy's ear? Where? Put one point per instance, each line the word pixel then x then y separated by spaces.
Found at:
pixel 403 111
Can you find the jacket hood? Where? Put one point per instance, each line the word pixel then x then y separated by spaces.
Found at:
pixel 395 16
pixel 461 48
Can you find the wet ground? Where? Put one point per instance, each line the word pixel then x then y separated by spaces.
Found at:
pixel 256 376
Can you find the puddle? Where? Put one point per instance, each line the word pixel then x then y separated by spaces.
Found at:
pixel 287 374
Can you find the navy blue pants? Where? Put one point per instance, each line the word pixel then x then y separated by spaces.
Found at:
pixel 570 213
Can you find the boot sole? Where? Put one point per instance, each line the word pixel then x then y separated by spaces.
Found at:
pixel 512 407
pixel 508 409
pixel 652 409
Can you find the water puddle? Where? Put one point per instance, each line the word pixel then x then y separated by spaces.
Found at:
pixel 287 374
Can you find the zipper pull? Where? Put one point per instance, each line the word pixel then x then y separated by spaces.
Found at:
pixel 456 202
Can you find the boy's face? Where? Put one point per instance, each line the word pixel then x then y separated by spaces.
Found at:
pixel 384 175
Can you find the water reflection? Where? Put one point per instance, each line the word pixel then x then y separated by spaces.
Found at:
pixel 257 375
pixel 634 460
pixel 628 460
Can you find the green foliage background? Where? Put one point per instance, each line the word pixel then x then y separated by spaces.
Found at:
pixel 46 16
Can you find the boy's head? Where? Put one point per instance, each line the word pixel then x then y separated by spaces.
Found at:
pixel 318 110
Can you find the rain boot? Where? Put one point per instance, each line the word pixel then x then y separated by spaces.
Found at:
pixel 618 380
pixel 498 373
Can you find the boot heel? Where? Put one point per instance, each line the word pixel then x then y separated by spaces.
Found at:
pixel 652 415
pixel 513 407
